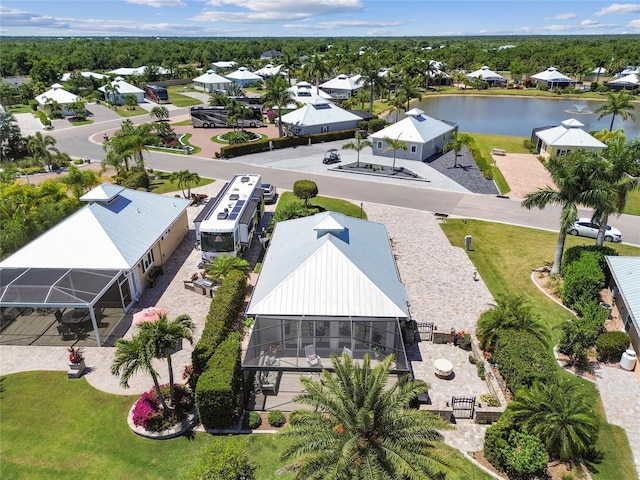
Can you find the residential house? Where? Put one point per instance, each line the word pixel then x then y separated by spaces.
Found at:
pixel 629 70
pixel 628 82
pixel 424 136
pixel 268 70
pixel 128 71
pixel 304 92
pixel 329 284
pixel 562 139
pixel 343 86
pixel 321 116
pixel 57 95
pixel 243 77
pixel 223 66
pixel 270 54
pixel 98 76
pixel 211 82
pixel 101 257
pixel 119 89
pixel 488 75
pixel 553 78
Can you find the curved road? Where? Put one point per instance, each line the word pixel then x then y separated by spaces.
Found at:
pixel 77 141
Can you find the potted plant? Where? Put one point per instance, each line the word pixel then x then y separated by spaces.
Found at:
pixel 76 359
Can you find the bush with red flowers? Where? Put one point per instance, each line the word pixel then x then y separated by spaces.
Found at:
pixel 148 412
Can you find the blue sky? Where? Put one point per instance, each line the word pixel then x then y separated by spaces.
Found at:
pixel 315 18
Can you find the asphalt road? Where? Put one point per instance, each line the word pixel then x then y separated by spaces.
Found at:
pixel 77 142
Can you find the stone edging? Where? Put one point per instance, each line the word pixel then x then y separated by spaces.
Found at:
pixel 549 296
pixel 373 174
pixel 480 466
pixel 175 431
pixel 555 355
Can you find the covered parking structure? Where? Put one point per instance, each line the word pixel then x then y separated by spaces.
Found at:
pixel 58 306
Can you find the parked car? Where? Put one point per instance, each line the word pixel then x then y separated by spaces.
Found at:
pixel 269 192
pixel 584 227
pixel 332 156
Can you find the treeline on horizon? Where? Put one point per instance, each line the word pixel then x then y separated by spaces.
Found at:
pixel 573 55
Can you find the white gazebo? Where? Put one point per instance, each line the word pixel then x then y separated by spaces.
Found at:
pixel 488 75
pixel 553 78
pixel 211 82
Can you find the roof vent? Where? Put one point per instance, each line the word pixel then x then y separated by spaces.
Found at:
pixel 244 179
pixel 234 196
pixel 222 215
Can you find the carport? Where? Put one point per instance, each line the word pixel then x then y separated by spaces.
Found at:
pixel 33 299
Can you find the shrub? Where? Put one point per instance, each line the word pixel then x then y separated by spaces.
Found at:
pixel 480 368
pixel 472 359
pixel 295 416
pixel 580 334
pixel 528 144
pixel 490 400
pixel 255 420
pixel 496 441
pixel 583 280
pixel 305 189
pixel 611 345
pixel 276 418
pixel 377 124
pixel 148 412
pixel 573 254
pixel 525 455
pixel 223 458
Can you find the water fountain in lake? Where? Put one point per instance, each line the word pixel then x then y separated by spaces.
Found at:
pixel 579 109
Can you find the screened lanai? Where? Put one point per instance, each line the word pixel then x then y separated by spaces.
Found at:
pixel 58 306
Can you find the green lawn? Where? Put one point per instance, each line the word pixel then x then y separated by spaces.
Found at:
pixel 183 123
pixel 78 123
pixel 505 255
pixel 633 203
pixel 181 100
pixel 123 112
pixel 163 185
pixel 327 203
pixel 19 108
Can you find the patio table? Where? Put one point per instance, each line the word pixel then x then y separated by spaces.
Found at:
pixel 75 316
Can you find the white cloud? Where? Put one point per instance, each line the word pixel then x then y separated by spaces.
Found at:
pixel 340 24
pixel 159 3
pixel 634 24
pixel 618 9
pixel 12 17
pixel 267 11
pixel 565 16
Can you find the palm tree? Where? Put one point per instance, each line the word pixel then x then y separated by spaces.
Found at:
pixel 218 99
pixel 509 313
pixel 184 179
pixel 224 264
pixel 134 356
pixel 288 211
pixel 161 113
pixel 617 104
pixel 573 176
pixel 360 427
pixel 42 147
pixel 80 181
pixel 317 69
pixel 456 143
pixel 110 91
pixel 395 145
pixel 277 94
pixel 559 413
pixel 398 104
pixel 357 145
pixel 369 68
pixel 128 143
pixel 163 336
pixel 409 88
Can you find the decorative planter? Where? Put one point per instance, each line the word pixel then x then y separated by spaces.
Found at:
pixel 76 370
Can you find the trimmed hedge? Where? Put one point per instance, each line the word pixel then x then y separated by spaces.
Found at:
pixel 583 280
pixel 611 346
pixel 573 254
pixel 230 151
pixel 217 387
pixel 523 359
pixel 223 314
pixel 276 418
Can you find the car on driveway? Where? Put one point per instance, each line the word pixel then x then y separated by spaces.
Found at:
pixel 269 192
pixel 585 227
pixel 332 156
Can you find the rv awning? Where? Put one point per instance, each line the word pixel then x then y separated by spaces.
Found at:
pixel 54 287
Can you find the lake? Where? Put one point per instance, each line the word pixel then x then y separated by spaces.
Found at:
pixel 518 116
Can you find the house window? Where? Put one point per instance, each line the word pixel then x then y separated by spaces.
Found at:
pixel 325 129
pixel 414 149
pixel 378 145
pixel 147 261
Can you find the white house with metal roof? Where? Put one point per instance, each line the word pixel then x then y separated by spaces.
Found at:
pixel 269 70
pixel 118 89
pixel 321 116
pixel 488 75
pixel 424 136
pixel 57 95
pixel 625 289
pixel 562 139
pixel 630 81
pixel 343 86
pixel 328 282
pixel 211 82
pixel 243 77
pixel 101 255
pixel 303 93
pixel 553 78
pixel 98 76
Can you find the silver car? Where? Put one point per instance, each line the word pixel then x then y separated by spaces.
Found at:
pixel 585 227
pixel 269 192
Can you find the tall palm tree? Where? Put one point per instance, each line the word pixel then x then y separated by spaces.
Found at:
pixel 277 94
pixel 42 147
pixel 358 145
pixel 128 143
pixel 559 413
pixel 133 356
pixel 163 336
pixel 395 145
pixel 317 69
pixel 368 69
pixel 185 179
pixel 457 142
pixel 111 90
pixel 573 176
pixel 617 104
pixel 409 88
pixel 360 427
pixel 398 104
pixel 509 313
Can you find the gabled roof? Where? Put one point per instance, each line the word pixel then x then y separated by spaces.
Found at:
pixel 344 82
pixel 551 74
pixel 112 232
pixel 486 74
pixel 626 273
pixel 224 65
pixel 57 93
pixel 123 87
pixel 66 76
pixel 569 134
pixel 304 92
pixel 329 264
pixel 211 77
pixel 269 70
pixel 415 127
pixel 320 112
pixel 243 74
pixel 628 80
pixel 138 70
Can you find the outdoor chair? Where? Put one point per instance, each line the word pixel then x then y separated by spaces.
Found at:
pixel 313 360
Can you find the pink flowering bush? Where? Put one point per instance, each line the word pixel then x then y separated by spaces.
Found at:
pixel 148 412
